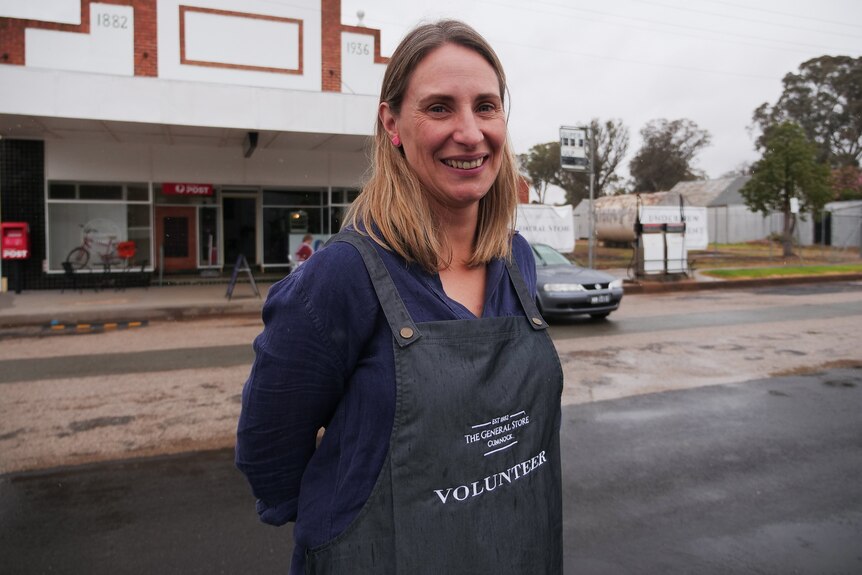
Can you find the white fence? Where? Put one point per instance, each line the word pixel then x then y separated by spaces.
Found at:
pixel 735 224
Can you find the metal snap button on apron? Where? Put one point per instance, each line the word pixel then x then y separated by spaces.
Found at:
pixel 537 321
pixel 406 332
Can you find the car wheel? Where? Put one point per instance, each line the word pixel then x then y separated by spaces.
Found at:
pixel 599 316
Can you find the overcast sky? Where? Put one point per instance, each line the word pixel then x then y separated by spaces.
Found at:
pixel 711 61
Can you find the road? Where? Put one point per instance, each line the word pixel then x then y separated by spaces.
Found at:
pixel 711 433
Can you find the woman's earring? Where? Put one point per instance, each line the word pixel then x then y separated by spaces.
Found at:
pixel 396 141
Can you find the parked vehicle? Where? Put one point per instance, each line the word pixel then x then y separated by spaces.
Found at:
pixel 565 289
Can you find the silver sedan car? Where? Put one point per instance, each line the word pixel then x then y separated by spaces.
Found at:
pixel 565 289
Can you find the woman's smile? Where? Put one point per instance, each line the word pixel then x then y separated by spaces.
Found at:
pixel 465 164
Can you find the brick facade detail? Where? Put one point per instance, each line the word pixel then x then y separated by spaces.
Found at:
pixel 146 34
pixel 330 44
pixel 146 38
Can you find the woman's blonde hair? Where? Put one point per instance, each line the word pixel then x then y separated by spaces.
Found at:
pixel 392 208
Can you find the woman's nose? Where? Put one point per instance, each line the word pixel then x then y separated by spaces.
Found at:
pixel 467 131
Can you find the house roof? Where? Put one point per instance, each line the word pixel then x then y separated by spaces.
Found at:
pixel 706 193
pixel 844 206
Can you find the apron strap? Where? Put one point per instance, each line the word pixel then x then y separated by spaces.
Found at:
pixel 403 328
pixel 530 309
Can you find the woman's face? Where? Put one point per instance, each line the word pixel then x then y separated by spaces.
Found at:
pixel 452 125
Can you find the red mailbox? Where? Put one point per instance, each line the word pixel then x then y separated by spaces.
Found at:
pixel 15 240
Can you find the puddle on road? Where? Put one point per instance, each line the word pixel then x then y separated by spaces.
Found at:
pixel 830 383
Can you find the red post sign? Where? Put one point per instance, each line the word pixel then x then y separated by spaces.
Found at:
pixel 187 189
pixel 15 240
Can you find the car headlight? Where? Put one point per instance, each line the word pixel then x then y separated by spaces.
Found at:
pixel 563 287
pixel 616 284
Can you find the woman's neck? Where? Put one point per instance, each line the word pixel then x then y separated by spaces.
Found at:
pixel 462 282
pixel 458 228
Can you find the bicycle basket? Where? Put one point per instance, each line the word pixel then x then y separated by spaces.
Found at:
pixel 126 250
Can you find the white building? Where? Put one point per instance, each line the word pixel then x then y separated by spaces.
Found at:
pixel 199 131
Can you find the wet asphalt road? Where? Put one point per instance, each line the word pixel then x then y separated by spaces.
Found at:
pixel 759 477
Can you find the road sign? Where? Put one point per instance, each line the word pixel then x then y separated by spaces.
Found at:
pixel 573 149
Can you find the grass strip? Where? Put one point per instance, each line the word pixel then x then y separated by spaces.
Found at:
pixel 784 271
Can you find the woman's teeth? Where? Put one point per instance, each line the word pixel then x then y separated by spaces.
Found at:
pixel 464 165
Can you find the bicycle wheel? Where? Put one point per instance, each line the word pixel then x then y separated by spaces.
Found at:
pixel 78 258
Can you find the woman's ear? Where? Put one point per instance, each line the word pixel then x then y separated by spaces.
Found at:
pixel 388 120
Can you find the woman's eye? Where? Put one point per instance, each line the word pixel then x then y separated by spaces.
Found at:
pixel 487 107
pixel 437 109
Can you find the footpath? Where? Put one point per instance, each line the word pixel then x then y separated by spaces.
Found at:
pixel 88 308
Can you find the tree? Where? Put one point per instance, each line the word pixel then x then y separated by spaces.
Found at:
pixel 846 183
pixel 541 165
pixel 788 169
pixel 667 154
pixel 610 140
pixel 825 99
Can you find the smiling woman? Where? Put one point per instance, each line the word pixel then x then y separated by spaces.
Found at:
pixel 410 338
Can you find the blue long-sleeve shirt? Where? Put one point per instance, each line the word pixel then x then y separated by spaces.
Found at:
pixel 325 360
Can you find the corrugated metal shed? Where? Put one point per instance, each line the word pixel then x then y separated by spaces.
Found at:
pixel 731 196
pixel 708 193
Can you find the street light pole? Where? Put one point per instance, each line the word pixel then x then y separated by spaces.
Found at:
pixel 574 158
pixel 592 191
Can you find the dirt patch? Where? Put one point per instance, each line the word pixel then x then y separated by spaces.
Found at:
pixel 811 370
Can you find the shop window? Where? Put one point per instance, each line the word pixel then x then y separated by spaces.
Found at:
pixel 336 213
pixel 336 218
pixel 89 220
pixel 100 192
pixel 288 215
pixel 344 196
pixel 293 198
pixel 139 226
pixel 138 193
pixel 138 216
pixel 283 231
pixel 61 191
pixel 338 197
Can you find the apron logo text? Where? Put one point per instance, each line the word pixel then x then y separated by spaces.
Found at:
pixel 502 435
pixel 500 429
pixel 490 483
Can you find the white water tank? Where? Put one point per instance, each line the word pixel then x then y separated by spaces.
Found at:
pixel 616 215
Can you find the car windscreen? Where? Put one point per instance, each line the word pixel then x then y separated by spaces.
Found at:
pixel 548 256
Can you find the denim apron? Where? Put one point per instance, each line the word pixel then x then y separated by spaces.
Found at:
pixel 471 484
